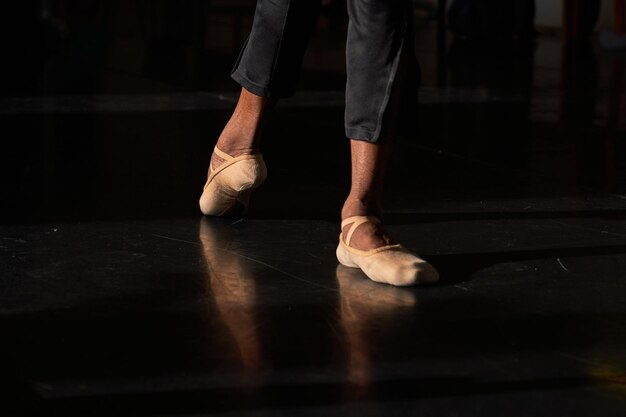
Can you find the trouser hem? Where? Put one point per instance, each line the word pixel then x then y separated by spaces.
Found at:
pixel 361 134
pixel 256 89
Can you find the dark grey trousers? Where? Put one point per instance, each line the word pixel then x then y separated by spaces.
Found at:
pixel 379 33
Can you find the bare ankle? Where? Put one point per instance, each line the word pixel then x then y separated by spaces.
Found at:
pixel 355 206
pixel 238 137
pixel 237 148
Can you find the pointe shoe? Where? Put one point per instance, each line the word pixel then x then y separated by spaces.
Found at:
pixel 228 187
pixel 390 264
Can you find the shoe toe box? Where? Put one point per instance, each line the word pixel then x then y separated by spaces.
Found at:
pixel 401 268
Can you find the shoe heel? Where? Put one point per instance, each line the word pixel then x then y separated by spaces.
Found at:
pixel 250 174
pixel 344 258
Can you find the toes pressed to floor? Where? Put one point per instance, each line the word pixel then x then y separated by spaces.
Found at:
pixel 386 263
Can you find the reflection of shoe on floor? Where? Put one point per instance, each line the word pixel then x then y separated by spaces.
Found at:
pixel 228 272
pixel 369 298
pixel 391 264
pixel 367 308
pixel 228 187
pixel 233 287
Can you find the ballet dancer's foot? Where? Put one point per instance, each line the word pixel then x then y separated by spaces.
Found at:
pixel 364 244
pixel 237 167
pixel 370 235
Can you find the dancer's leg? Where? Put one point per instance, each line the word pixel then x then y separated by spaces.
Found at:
pixel 370 154
pixel 242 133
pixel 369 161
pixel 267 69
pixel 379 50
pixel 369 166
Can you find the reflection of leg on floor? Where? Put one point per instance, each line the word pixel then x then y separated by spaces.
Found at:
pixel 233 289
pixel 363 305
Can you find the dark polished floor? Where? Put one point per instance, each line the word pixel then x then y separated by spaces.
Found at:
pixel 118 298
